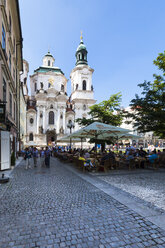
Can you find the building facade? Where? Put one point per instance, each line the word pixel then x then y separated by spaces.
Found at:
pixel 50 109
pixel 10 67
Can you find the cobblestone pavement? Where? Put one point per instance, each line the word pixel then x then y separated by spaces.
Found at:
pixel 147 185
pixel 56 208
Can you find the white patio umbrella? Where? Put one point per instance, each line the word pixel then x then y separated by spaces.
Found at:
pixel 98 130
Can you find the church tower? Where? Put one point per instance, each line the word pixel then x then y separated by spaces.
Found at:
pixel 82 94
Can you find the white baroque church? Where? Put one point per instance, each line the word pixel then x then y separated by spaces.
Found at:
pixel 50 109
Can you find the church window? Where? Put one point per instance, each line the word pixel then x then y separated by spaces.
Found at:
pixel 91 87
pixel 51 106
pixel 35 87
pixel 61 116
pixel 82 56
pixel 76 86
pixel 84 107
pixel 79 56
pixel 84 85
pixel 48 62
pixel 31 120
pixel 31 137
pixel 62 87
pixel 51 117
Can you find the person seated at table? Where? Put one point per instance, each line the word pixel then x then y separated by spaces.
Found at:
pixel 152 157
pixel 130 156
pixel 120 154
pixel 162 157
pixel 107 156
pixel 142 153
pixel 86 155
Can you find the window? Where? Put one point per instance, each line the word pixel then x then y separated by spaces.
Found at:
pixel 79 56
pixel 51 117
pixel 9 23
pixel 49 85
pixel 3 38
pixel 14 46
pixel 4 90
pixel 14 111
pixel 48 62
pixel 84 107
pixel 62 87
pixel 31 137
pixel 35 87
pixel 13 74
pixel 61 116
pixel 84 85
pixel 31 120
pixel 10 103
pixel 51 106
pixel 10 60
pixel 82 56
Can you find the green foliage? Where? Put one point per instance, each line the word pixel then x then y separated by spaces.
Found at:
pixel 13 159
pixel 149 110
pixel 107 111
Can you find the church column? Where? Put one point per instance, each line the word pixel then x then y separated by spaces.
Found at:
pixel 38 114
pixel 64 119
pixel 58 120
pixel 44 118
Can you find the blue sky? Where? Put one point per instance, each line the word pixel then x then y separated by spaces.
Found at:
pixel 122 37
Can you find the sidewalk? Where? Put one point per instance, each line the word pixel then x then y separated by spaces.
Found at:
pixel 9 172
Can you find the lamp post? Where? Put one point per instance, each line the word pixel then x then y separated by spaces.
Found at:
pixel 70 126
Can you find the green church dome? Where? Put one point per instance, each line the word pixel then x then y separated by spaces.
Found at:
pixel 81 46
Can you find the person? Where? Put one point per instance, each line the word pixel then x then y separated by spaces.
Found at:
pixel 86 155
pixel 27 158
pixel 47 157
pixel 152 157
pixel 107 156
pixel 42 157
pixel 35 156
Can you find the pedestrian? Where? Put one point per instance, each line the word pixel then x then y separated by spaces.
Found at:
pixel 47 158
pixel 35 156
pixel 27 158
pixel 42 157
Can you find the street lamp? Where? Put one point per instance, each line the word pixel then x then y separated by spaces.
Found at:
pixel 70 126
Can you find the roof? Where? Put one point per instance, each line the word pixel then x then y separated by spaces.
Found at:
pixel 49 69
pixel 81 46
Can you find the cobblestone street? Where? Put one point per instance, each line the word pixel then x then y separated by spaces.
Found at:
pixel 54 207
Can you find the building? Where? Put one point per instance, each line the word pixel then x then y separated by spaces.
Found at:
pixel 50 109
pixel 23 102
pixel 10 67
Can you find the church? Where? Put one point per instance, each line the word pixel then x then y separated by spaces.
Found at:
pixel 51 113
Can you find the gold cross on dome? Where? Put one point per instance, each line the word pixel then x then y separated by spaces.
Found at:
pixel 81 37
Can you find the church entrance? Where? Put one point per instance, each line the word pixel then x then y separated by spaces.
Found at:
pixel 51 136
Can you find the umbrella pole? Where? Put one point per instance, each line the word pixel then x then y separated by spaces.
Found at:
pixel 81 143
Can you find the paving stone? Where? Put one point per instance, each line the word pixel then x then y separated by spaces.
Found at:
pixel 53 208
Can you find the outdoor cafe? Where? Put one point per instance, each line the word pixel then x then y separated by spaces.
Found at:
pixel 95 161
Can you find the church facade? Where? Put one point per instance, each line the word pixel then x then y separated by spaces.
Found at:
pixel 50 111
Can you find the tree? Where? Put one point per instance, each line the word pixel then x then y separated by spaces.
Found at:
pixel 149 109
pixel 107 111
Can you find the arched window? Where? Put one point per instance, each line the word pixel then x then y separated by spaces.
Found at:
pixel 62 87
pixel 79 56
pixel 84 85
pixel 48 62
pixel 31 137
pixel 51 117
pixel 82 56
pixel 51 106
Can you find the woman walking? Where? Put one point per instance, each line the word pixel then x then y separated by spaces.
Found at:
pixel 47 158
pixel 27 158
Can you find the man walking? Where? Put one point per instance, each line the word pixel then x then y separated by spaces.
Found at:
pixel 47 158
pixel 35 156
pixel 27 158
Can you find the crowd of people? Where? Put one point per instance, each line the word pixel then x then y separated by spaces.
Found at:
pixel 34 157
